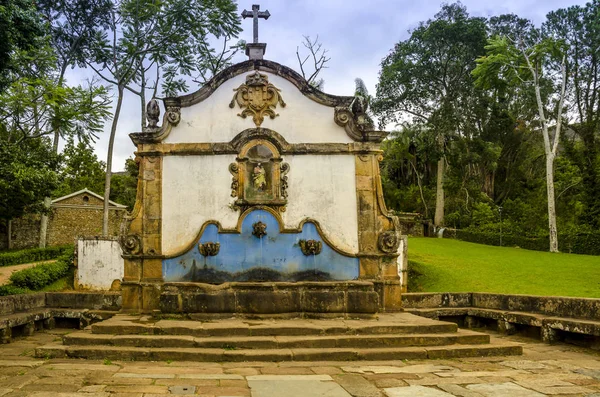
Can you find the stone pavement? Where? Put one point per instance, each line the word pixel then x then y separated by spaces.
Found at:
pixel 559 370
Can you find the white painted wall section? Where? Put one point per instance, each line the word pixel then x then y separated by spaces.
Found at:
pixel 195 189
pixel 99 263
pixel 301 121
pixel 323 187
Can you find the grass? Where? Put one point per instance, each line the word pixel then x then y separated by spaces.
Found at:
pixel 446 265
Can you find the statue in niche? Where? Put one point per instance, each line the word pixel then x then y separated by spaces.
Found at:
pixel 259 179
pixel 259 176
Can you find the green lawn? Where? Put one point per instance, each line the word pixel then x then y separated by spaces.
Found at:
pixel 446 265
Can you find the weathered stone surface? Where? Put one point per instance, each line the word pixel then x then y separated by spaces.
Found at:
pixel 502 390
pixel 415 391
pixel 305 388
pixel 220 302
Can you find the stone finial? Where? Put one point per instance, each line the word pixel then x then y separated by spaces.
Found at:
pixel 153 113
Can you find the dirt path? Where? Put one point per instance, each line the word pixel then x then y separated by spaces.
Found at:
pixel 6 271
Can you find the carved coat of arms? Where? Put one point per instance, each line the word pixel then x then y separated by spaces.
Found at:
pixel 258 98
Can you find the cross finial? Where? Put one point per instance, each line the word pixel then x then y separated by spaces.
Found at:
pixel 255 14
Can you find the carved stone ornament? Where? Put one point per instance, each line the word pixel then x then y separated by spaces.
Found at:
pixel 258 98
pixel 389 242
pixel 209 248
pixel 283 186
pixel 153 113
pixel 310 247
pixel 131 244
pixel 259 229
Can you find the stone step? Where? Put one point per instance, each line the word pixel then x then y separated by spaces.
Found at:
pixel 278 342
pixel 293 354
pixel 397 323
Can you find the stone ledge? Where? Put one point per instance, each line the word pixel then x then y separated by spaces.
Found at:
pixel 270 298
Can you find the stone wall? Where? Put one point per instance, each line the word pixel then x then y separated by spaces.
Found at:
pixel 25 232
pixel 66 224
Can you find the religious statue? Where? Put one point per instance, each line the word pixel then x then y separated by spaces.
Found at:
pixel 259 179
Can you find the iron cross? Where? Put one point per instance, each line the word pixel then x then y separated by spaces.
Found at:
pixel 256 14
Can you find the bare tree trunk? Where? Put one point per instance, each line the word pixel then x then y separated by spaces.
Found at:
pixel 439 194
pixel 553 233
pixel 111 142
pixel 9 243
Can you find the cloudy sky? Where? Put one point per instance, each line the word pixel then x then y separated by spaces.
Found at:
pixel 357 34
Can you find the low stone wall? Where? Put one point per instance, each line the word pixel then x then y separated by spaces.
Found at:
pixel 318 298
pixel 21 303
pixel 99 263
pixel 84 300
pixel 560 306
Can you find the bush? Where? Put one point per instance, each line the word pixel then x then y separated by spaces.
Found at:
pixel 33 255
pixel 37 277
pixel 12 290
pixel 574 243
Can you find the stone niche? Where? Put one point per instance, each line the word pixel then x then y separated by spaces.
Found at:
pixel 258 187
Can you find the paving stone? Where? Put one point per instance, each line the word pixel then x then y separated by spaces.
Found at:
pixel 304 388
pixel 326 370
pixel 4 391
pixel 471 374
pixel 415 391
pixel 51 388
pixel 151 376
pixel 435 381
pixel 357 386
pixel 286 371
pixel 413 369
pixel 390 382
pixel 183 389
pixel 232 383
pixel 138 389
pixel 553 386
pixel 242 371
pixel 524 364
pixel 54 394
pixel 289 377
pixel 503 390
pixel 589 372
pixel 459 391
pixel 213 376
pixel 17 382
pixel 92 389
pixel 223 391
pixel 186 382
pixel 84 367
pixel 20 363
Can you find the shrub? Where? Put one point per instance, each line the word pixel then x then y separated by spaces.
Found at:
pixel 12 290
pixel 39 276
pixel 32 255
pixel 574 243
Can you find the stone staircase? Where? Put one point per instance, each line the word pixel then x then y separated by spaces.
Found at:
pixel 393 336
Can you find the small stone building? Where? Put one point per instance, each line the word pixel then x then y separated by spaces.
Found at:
pixel 73 215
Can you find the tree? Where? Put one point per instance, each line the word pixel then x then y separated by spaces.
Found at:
pixel 21 26
pixel 125 184
pixel 427 79
pixel 579 27
pixel 79 169
pixel 142 31
pixel 531 67
pixel 28 175
pixel 73 24
pixel 318 61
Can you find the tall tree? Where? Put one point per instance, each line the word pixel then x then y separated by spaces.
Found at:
pixel 532 67
pixel 141 31
pixel 579 27
pixel 427 79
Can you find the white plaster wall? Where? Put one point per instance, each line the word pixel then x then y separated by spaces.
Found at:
pixel 99 263
pixel 323 187
pixel 197 189
pixel 301 121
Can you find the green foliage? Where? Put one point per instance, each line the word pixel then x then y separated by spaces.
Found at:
pixel 39 276
pixel 27 177
pixel 449 265
pixel 31 255
pixel 12 290
pixel 21 26
pixel 80 169
pixel 124 185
